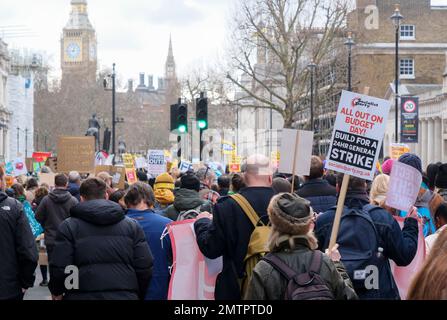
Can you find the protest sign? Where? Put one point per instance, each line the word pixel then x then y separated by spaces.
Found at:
pixel 356 142
pixel 296 151
pixel 131 175
pixel 358 134
pixel 405 183
pixel 119 177
pixel 19 166
pixel 235 167
pixel 156 162
pixel 228 147
pixel 76 154
pixel 185 166
pixel 128 161
pixel 47 178
pixel 52 164
pixel 275 157
pixel 140 163
pixel 187 259
pixel 9 168
pixel 398 149
pixel 41 156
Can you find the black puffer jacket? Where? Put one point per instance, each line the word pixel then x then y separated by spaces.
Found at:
pixel 18 251
pixel 52 210
pixel 110 251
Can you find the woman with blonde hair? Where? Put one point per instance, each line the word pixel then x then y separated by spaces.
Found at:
pixel 431 281
pixel 379 189
pixel 294 255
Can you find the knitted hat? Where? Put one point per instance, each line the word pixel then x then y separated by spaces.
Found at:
pixel 411 160
pixel 164 181
pixel 387 166
pixel 191 182
pixel 290 214
pixel 441 178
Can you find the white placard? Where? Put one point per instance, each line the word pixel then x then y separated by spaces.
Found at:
pixel 156 162
pixel 405 183
pixel 358 135
pixel 140 163
pixel 19 166
pixel 186 166
pixel 303 151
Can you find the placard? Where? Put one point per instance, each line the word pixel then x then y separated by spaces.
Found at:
pixel 156 162
pixel 398 149
pixel 358 134
pixel 128 161
pixel 141 163
pixel 47 178
pixel 403 190
pixel 185 166
pixel 19 166
pixel 76 154
pixel 296 151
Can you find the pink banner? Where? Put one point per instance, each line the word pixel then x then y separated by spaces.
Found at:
pixel 404 275
pixel 193 276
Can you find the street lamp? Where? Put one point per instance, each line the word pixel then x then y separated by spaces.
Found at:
pixel 114 119
pixel 397 18
pixel 349 43
pixel 312 66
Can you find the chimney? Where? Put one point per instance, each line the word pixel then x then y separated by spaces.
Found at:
pixel 150 84
pixel 130 85
pixel 142 80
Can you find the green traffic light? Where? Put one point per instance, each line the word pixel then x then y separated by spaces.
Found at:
pixel 202 124
pixel 182 129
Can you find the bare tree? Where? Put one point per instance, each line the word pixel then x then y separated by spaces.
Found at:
pixel 274 41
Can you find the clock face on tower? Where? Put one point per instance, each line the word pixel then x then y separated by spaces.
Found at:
pixel 73 51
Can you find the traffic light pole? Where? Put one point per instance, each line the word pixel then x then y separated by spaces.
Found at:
pixel 201 144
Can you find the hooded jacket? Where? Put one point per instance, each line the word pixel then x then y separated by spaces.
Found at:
pixel 18 252
pixel 186 199
pixel 109 250
pixel 74 190
pixel 53 210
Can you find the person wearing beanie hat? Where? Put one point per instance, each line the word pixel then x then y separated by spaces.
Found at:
pixel 425 195
pixel 411 160
pixel 187 198
pixel 292 242
pixel 163 190
pixel 441 181
pixel 387 166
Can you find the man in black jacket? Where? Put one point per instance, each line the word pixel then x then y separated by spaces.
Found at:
pixel 229 231
pixel 319 192
pixel 53 210
pixel 18 251
pixel 107 251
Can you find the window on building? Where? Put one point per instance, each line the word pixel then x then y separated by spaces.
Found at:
pixel 407 32
pixel 407 68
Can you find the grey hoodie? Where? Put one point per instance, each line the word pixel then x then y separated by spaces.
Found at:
pixel 53 210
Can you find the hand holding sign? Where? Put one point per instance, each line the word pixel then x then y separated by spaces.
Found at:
pixel 405 182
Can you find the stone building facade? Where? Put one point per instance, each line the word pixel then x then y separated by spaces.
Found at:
pixel 4 113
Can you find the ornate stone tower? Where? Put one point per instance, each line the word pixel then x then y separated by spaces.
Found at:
pixel 170 70
pixel 78 46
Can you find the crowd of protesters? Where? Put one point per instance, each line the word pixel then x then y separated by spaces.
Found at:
pixel 115 236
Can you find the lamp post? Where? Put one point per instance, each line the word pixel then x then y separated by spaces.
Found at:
pixel 114 119
pixel 397 18
pixel 312 66
pixel 349 43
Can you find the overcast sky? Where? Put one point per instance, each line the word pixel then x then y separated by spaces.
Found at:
pixel 132 33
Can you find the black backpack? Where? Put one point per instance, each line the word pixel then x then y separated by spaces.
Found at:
pixel 359 244
pixel 305 286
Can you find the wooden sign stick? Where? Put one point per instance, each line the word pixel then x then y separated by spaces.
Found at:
pixel 338 213
pixel 294 160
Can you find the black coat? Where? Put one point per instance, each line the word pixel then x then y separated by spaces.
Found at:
pixel 228 235
pixel 110 250
pixel 320 193
pixel 18 251
pixel 52 210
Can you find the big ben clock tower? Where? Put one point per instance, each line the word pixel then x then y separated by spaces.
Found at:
pixel 78 47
